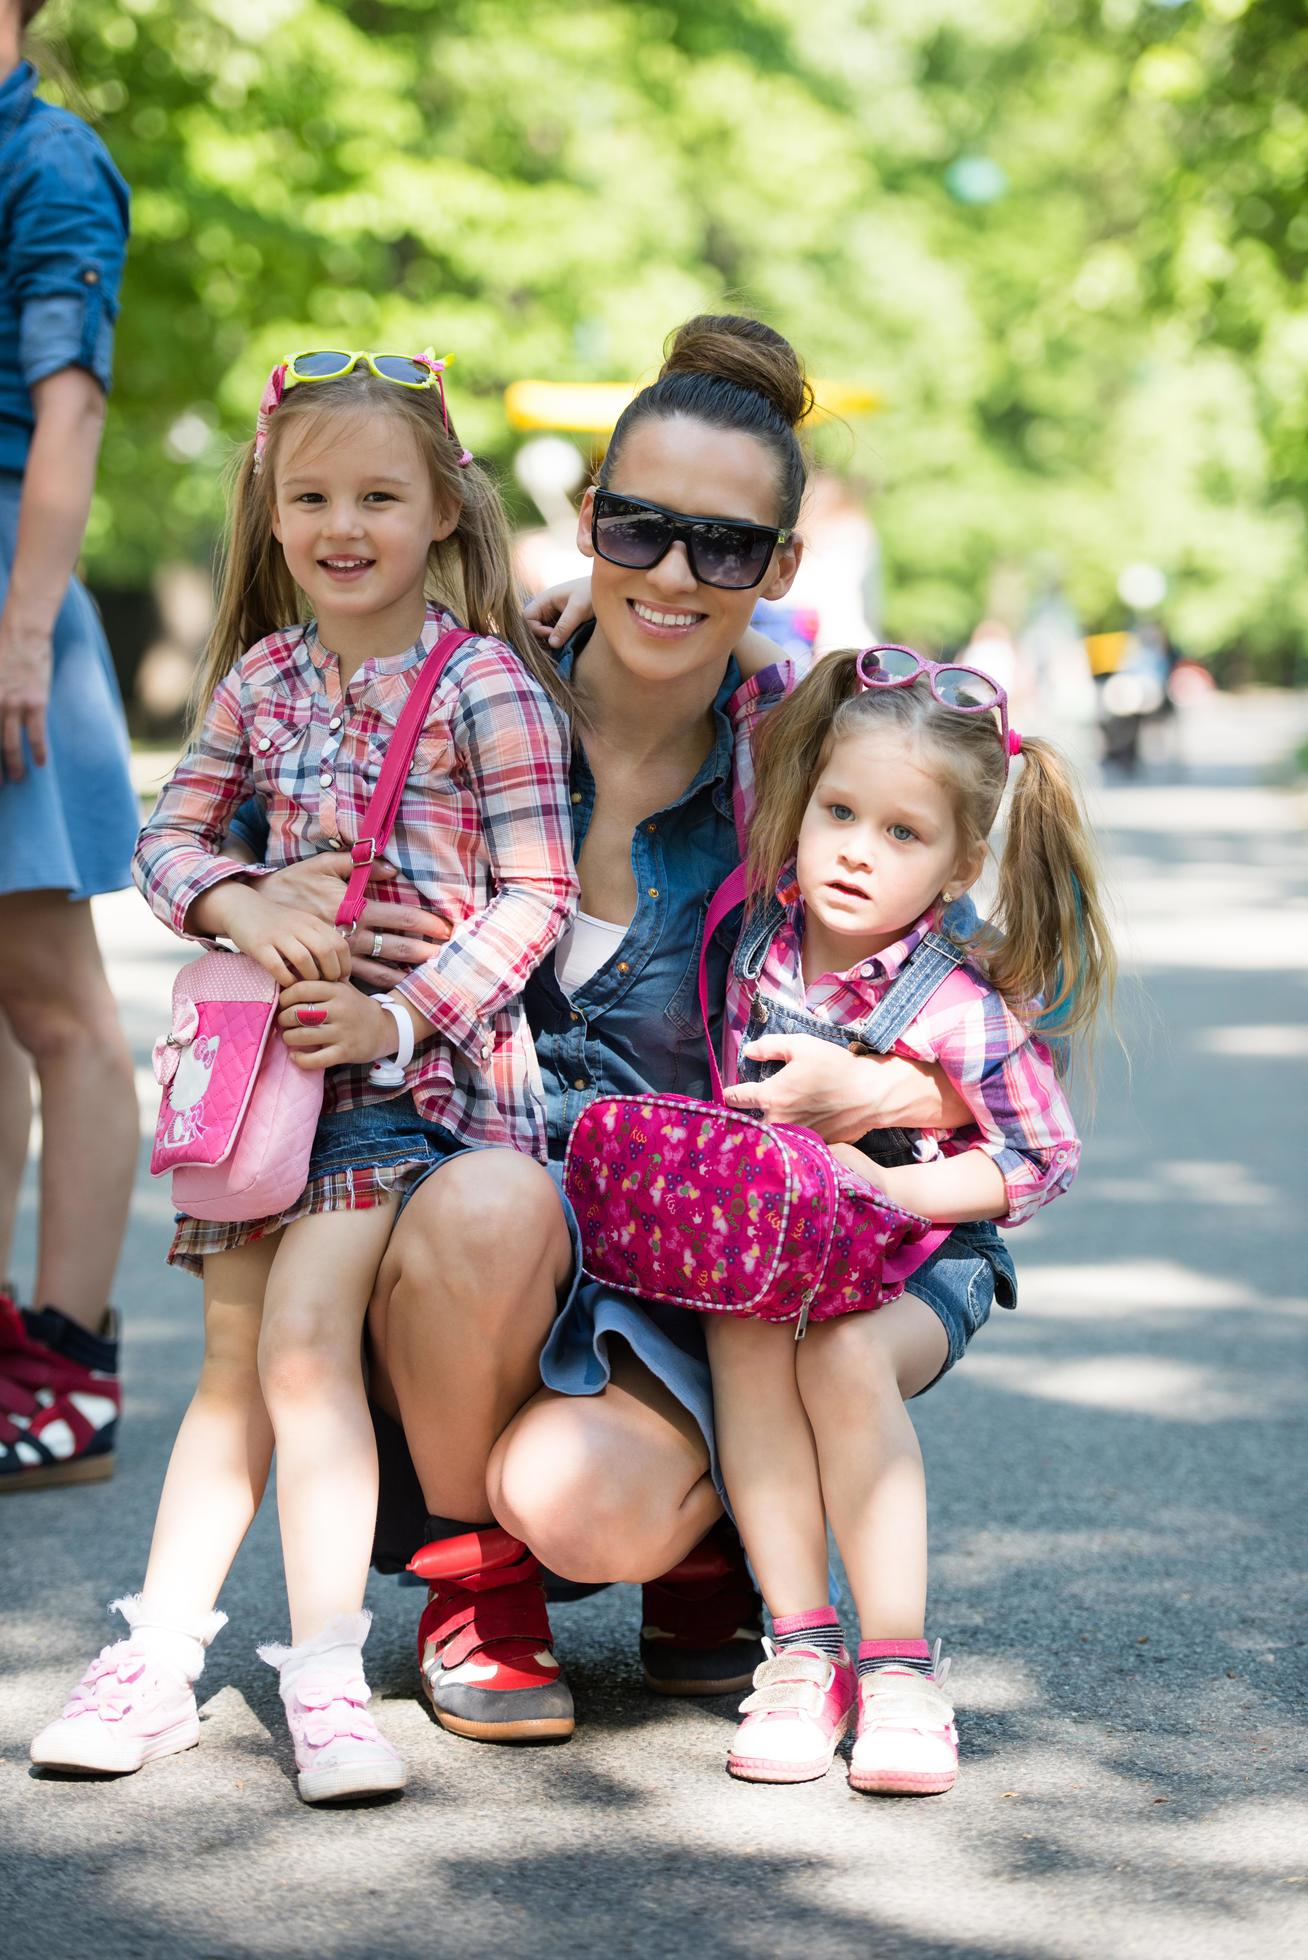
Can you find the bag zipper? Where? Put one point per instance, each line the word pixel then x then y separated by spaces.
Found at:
pixel 806 1301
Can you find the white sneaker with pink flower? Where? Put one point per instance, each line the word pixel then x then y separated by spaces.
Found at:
pixel 136 1700
pixel 339 1750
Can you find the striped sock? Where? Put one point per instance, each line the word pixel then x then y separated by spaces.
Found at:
pixel 820 1629
pixel 914 1655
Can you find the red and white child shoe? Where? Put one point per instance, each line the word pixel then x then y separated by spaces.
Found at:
pixel 484 1642
pixel 339 1750
pixel 907 1740
pixel 136 1700
pixel 59 1398
pixel 802 1705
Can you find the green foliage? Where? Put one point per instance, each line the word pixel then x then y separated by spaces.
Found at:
pixel 1066 238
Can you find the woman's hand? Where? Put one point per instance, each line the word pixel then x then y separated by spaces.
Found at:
pixel 325 1024
pixel 843 1096
pixel 555 614
pixel 390 938
pixel 25 664
pixel 291 945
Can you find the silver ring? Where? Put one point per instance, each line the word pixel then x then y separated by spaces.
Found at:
pixel 376 945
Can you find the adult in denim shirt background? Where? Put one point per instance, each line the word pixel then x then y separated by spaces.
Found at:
pixel 68 817
pixel 605 1472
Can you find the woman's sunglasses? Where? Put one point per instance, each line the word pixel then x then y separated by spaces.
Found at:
pixel 964 689
pixel 720 550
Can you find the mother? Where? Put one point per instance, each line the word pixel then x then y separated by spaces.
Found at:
pixel 506 1386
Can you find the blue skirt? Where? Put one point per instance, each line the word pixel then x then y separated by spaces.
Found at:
pixel 72 825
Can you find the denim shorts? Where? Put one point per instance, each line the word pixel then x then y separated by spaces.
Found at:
pixel 378 1134
pixel 961 1281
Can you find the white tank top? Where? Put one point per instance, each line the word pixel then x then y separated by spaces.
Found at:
pixel 584 948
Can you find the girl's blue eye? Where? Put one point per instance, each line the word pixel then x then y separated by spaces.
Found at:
pixel 902 834
pixel 841 812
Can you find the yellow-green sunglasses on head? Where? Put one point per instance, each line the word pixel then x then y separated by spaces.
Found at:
pixel 417 371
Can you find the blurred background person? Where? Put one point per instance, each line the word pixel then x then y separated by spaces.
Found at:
pixel 68 815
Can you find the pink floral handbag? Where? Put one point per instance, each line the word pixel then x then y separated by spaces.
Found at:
pixel 712 1208
pixel 238 1118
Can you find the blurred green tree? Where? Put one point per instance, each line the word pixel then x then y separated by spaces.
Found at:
pixel 1066 238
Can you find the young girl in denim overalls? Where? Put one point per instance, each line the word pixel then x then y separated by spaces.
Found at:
pixel 878 782
pixel 356 494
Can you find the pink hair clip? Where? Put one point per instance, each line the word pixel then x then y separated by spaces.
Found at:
pixel 269 401
pixel 1014 742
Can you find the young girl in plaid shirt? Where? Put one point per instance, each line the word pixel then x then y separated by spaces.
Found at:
pixel 878 782
pixel 357 497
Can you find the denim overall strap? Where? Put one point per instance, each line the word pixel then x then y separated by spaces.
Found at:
pixel 925 970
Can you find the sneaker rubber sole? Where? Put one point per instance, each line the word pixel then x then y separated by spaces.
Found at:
pixel 527 1728
pixel 766 1769
pixel 356 1780
pixel 907 1783
pixel 77 1470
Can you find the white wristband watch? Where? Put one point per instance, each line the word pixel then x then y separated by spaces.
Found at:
pixel 389 1074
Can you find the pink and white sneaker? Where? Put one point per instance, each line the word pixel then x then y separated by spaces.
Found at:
pixel 339 1750
pixel 907 1741
pixel 134 1702
pixel 802 1705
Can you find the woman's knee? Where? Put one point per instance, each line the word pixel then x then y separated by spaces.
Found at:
pixel 565 1481
pixel 470 1242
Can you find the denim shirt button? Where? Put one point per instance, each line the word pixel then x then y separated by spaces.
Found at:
pixel 574 1016
pixel 576 796
pixel 651 828
pixel 581 1083
pixel 653 891
pixel 624 966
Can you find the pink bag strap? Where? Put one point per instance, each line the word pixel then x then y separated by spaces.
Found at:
pixel 384 803
pixel 729 894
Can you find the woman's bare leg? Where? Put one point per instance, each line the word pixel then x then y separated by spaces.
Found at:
pixel 15 1128
pixel 310 1369
pixel 854 1375
pixel 769 1460
pixel 605 1487
pixel 467 1292
pixel 219 1465
pixel 56 999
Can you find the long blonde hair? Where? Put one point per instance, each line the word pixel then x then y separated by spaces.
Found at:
pixel 1049 941
pixel 470 572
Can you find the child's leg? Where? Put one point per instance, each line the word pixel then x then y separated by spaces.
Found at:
pixel 219 1465
pixel 311 1371
pixel 769 1461
pixel 854 1375
pixel 854 1378
pixel 803 1696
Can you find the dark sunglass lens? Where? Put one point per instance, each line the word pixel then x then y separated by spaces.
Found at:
pixel 725 556
pixel 637 538
pixel 962 689
pixel 313 367
pixel 399 367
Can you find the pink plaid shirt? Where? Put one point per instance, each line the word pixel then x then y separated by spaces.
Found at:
pixel 1004 1074
pixel 483 836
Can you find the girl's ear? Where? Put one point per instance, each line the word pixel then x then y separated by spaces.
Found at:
pixel 782 575
pixel 584 545
pixel 445 524
pixel 966 872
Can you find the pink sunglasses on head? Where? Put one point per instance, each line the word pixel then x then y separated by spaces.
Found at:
pixel 964 689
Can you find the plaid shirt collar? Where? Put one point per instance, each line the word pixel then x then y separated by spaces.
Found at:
pixel 382 684
pixel 867 978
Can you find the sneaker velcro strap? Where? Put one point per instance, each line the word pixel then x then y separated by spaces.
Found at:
pixel 479 1561
pixel 468 1625
pixel 903 1701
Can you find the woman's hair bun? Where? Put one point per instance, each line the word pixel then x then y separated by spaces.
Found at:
pixel 732 347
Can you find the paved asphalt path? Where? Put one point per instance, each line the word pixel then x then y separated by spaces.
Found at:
pixel 1118 1503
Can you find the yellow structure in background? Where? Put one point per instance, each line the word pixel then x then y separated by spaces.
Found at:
pixel 592 407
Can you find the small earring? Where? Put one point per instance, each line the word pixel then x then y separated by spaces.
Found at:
pixel 946 898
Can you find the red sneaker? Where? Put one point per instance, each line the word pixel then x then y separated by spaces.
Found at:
pixel 59 1398
pixel 702 1622
pixel 484 1641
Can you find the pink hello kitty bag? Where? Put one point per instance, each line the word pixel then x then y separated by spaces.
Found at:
pixel 712 1208
pixel 238 1118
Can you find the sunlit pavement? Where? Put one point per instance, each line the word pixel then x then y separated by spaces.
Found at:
pixel 1118 1503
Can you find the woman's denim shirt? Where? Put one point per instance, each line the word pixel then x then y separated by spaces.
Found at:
pixel 63 239
pixel 635 1023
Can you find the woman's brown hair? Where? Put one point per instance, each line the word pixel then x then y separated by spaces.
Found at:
pixel 470 572
pixel 1049 941
pixel 732 373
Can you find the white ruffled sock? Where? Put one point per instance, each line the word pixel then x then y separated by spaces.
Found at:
pixel 338 1649
pixel 179 1644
